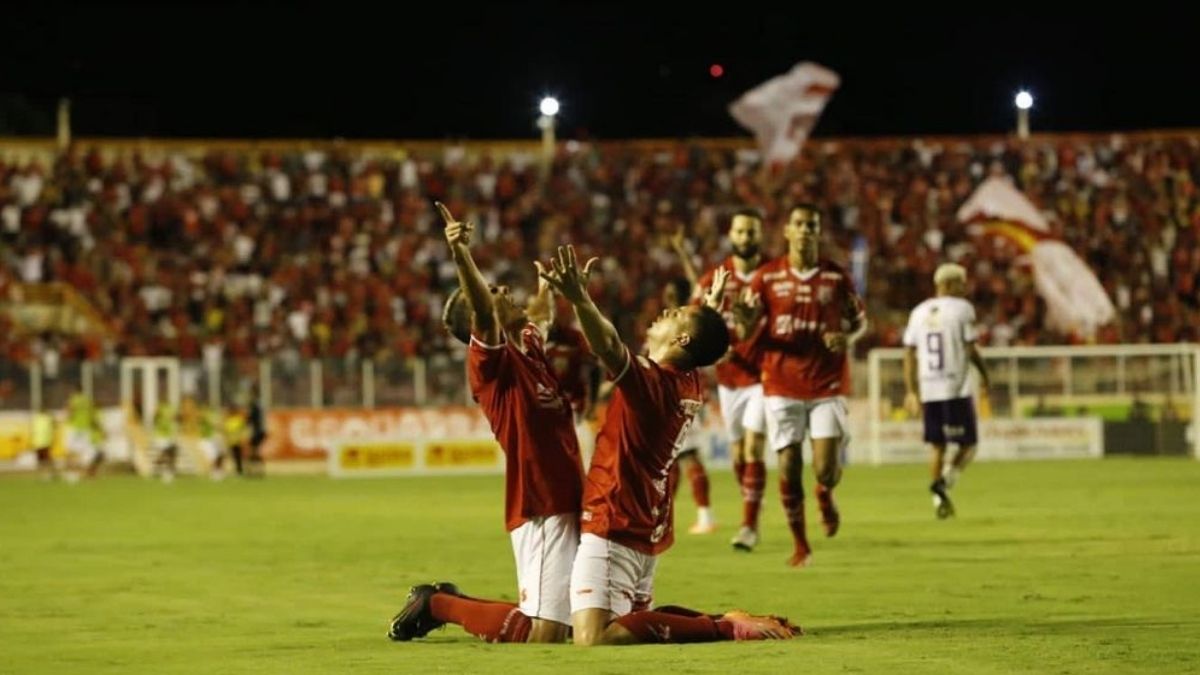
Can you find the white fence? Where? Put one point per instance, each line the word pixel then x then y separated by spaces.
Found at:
pixel 1139 399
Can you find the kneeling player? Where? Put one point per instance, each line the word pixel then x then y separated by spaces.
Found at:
pixel 512 380
pixel 628 505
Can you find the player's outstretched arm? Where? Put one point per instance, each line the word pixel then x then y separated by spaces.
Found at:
pixel 568 279
pixel 475 288
pixel 685 258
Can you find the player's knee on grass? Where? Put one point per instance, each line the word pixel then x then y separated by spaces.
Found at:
pixel 545 631
pixel 588 626
pixel 596 627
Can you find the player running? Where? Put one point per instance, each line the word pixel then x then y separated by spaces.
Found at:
pixel 738 388
pixel 812 315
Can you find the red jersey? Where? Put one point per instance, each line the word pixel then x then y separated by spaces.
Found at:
pixel 740 367
pixel 571 360
pixel 627 497
pixel 799 309
pixel 532 421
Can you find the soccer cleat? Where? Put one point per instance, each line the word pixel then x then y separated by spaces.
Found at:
pixel 702 528
pixel 745 539
pixel 831 520
pixel 448 588
pixel 415 619
pixel 749 627
pixel 942 505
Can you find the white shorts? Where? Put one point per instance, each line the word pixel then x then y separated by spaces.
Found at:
pixel 789 419
pixel 212 448
pixel 80 443
pixel 742 410
pixel 544 549
pixel 610 576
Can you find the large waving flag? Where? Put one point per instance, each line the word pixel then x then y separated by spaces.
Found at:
pixel 1075 300
pixel 782 111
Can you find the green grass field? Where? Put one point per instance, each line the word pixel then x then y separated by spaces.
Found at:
pixel 1056 567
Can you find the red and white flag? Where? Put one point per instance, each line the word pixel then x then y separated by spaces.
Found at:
pixel 782 111
pixel 1076 301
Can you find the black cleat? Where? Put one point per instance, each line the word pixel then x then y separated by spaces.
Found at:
pixel 941 499
pixel 415 620
pixel 448 588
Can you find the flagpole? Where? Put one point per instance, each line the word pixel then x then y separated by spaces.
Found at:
pixel 1024 102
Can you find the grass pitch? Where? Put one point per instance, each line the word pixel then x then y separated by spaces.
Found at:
pixel 1050 567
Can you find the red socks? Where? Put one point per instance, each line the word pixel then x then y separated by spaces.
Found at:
pixel 793 506
pixel 754 481
pixel 490 621
pixel 699 480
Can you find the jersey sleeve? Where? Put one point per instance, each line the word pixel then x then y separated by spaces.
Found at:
pixel 486 364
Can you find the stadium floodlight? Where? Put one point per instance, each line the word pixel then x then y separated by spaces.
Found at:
pixel 549 106
pixel 1024 100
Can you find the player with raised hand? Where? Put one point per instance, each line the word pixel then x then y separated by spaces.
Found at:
pixel 532 420
pixel 627 506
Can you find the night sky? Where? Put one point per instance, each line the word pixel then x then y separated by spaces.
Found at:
pixel 446 70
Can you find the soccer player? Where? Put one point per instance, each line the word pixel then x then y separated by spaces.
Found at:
pixel 211 441
pixel 738 388
pixel 627 503
pixel 812 315
pixel 256 420
pixel 41 437
pixel 82 423
pixel 939 347
pixel 166 440
pixel 512 381
pixel 233 430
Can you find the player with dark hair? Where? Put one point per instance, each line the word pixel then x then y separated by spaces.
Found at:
pixel 812 315
pixel 512 381
pixel 738 388
pixel 627 504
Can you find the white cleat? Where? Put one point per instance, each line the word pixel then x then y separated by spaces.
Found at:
pixel 745 539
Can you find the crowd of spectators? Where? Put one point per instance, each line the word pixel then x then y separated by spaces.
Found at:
pixel 336 252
